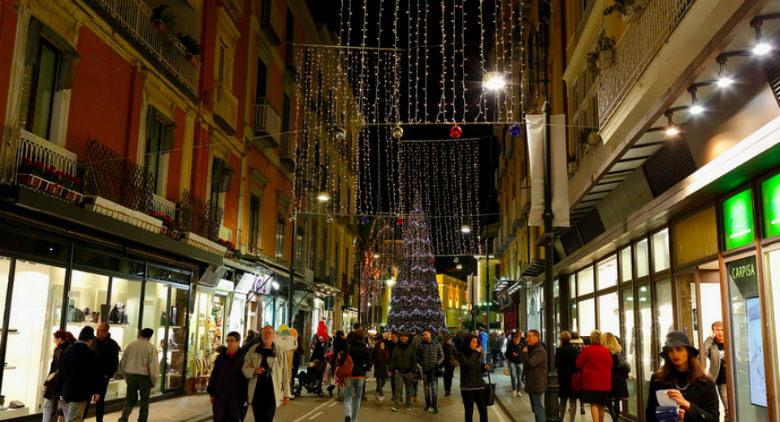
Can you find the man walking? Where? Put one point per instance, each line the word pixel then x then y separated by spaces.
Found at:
pixel 227 386
pixel 713 350
pixel 78 377
pixel 356 381
pixel 430 355
pixel 403 364
pixel 514 356
pixel 534 359
pixel 141 370
pixel 107 352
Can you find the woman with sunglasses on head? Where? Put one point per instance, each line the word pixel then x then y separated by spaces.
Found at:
pixel 685 383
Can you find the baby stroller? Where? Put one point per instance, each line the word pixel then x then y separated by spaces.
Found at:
pixel 311 379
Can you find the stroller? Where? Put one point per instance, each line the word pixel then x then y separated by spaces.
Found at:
pixel 311 379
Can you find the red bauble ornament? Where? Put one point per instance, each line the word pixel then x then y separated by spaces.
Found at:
pixel 399 221
pixel 456 131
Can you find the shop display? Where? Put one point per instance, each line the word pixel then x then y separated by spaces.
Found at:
pixel 118 314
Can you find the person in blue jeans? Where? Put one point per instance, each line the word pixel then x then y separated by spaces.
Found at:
pixel 430 356
pixel 358 352
pixel 514 356
pixel 535 364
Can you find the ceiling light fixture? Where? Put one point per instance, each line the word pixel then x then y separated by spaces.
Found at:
pixel 762 47
pixel 724 78
pixel 696 108
pixel 671 130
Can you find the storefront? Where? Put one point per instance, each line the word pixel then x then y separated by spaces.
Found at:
pixel 50 282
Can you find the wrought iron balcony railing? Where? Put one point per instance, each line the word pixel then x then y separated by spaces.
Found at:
pixel 21 145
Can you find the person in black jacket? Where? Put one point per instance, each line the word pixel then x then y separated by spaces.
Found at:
pixel 685 382
pixel 566 364
pixel 358 352
pixel 107 352
pixel 62 340
pixel 514 356
pixel 620 371
pixel 472 386
pixel 227 386
pixel 77 378
pixel 339 344
pixel 450 362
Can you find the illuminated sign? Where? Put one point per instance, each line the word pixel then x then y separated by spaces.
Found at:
pixel 738 220
pixel 770 194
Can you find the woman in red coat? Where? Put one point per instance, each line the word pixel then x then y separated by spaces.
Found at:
pixel 595 364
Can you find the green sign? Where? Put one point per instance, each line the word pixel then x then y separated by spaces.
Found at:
pixel 738 220
pixel 770 194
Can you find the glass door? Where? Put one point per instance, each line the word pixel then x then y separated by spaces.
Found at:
pixel 630 350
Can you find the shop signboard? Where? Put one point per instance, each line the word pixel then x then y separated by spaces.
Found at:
pixel 738 225
pixel 770 194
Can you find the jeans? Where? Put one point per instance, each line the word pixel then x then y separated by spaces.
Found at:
pixel 537 405
pixel 724 398
pixel 431 387
pixel 49 410
pixel 137 385
pixel 470 398
pixel 353 393
pixel 74 410
pixel 403 384
pixel 380 386
pixel 516 371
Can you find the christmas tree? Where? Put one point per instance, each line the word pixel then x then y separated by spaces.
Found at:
pixel 415 303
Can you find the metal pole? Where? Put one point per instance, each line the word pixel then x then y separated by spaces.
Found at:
pixel 359 282
pixel 487 286
pixel 291 286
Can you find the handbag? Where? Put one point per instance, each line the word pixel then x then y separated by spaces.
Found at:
pixel 576 382
pixel 490 392
pixel 453 361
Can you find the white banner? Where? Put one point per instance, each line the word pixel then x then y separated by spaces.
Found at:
pixel 560 179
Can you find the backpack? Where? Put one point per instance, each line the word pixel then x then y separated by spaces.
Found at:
pixel 345 370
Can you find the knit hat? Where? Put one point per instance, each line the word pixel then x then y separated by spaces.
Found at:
pixel 678 339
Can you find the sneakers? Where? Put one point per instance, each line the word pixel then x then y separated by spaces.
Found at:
pixel 519 393
pixel 394 408
pixel 426 408
pixel 408 408
pixel 435 410
pixel 347 419
pixel 514 393
pixel 380 397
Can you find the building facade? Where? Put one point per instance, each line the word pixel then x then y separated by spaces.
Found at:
pixel 454 298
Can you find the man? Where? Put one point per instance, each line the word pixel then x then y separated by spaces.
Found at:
pixel 265 366
pixel 107 352
pixel 713 350
pixel 534 359
pixel 430 355
pixel 78 377
pixel 390 343
pixel 514 356
pixel 141 370
pixel 227 384
pixel 356 382
pixel 403 364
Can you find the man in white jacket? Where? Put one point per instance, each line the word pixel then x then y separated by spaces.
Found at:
pixel 265 366
pixel 141 370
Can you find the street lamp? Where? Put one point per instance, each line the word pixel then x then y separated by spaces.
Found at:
pixel 323 196
pixel 465 229
pixel 494 81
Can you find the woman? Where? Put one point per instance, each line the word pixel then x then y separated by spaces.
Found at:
pixel 620 371
pixel 355 383
pixel 381 369
pixel 339 344
pixel 595 364
pixel 62 340
pixel 472 386
pixel 685 382
pixel 265 366
pixel 566 364
pixel 450 362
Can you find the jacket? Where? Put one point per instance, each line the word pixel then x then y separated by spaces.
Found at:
pixel 702 395
pixel 710 351
pixel 566 364
pixel 535 369
pixel 107 352
pixel 514 352
pixel 449 352
pixel 595 363
pixel 404 358
pixel 620 371
pixel 78 376
pixel 51 389
pixel 140 358
pixel 381 360
pixel 471 367
pixel 430 355
pixel 280 375
pixel 361 357
pixel 227 383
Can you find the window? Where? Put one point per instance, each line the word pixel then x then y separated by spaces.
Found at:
pixel 664 310
pixel 289 36
pixel 645 334
pixel 587 316
pixel 642 268
pixel 661 250
pixel 261 83
pixel 280 226
pixel 221 59
pixel 159 136
pixel 221 175
pixel 38 90
pixel 629 348
pixel 254 222
pixel 585 281
pixel 285 113
pixel 607 272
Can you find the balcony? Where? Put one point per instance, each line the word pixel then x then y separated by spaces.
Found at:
pixel 522 205
pixel 272 22
pixel 24 146
pixel 323 272
pixel 225 109
pixel 266 125
pixel 133 19
pixel 287 151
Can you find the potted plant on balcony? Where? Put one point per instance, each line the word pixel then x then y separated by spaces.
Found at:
pixel 606 52
pixel 72 188
pixel 54 177
pixel 168 227
pixel 629 10
pixel 191 48
pixel 162 19
pixel 30 174
pixel 231 252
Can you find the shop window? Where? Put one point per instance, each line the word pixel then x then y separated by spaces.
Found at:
pixel 607 273
pixel 664 311
pixel 156 318
pixel 661 250
pixel 642 258
pixel 772 272
pixel 573 312
pixel 177 331
pixel 609 314
pixel 630 349
pixel 747 346
pixel 123 317
pixel 625 264
pixel 645 335
pixel 587 309
pixel 687 308
pixel 87 301
pixel 585 281
pixel 572 287
pixel 36 308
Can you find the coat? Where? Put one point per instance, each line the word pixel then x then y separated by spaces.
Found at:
pixel 51 390
pixel 381 360
pixel 227 383
pixel 566 365
pixel 471 368
pixel 77 379
pixel 620 370
pixel 430 355
pixel 535 369
pixel 404 358
pixel 514 352
pixel 595 363
pixel 107 352
pixel 361 357
pixel 280 374
pixel 710 351
pixel 702 395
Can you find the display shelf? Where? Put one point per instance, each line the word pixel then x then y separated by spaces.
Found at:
pixel 8 368
pixel 11 331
